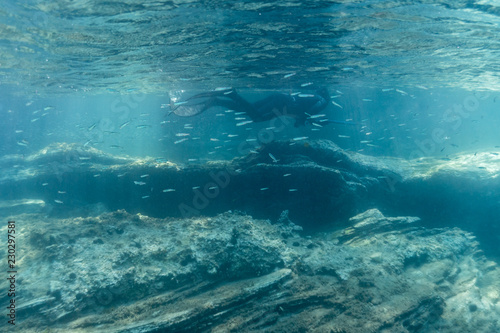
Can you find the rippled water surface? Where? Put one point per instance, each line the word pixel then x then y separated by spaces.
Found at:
pixel 58 46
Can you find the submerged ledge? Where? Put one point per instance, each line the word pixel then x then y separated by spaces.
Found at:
pixel 315 180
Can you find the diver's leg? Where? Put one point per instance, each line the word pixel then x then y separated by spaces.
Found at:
pixel 241 104
pixel 214 93
pixel 227 98
pixel 199 103
pixel 272 106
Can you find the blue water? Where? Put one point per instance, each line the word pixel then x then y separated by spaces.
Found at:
pixel 410 79
pixel 106 63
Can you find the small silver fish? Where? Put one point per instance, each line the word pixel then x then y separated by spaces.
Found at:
pixel 338 105
pixel 289 75
pixel 179 141
pixel 182 134
pixel 317 116
pixel 144 176
pixel 264 188
pixel 58 201
pixel 273 158
pixel 300 138
pixel 143 126
pixel 244 123
pixel 168 190
pixel 124 124
pixel 139 183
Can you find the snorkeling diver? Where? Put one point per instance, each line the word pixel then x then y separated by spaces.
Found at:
pixel 300 107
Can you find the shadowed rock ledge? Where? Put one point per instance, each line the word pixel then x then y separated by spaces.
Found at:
pixel 309 180
pixel 319 183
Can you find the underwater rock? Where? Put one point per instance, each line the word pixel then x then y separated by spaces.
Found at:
pixel 322 183
pixel 317 182
pixel 119 272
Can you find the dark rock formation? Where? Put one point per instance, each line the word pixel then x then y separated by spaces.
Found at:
pixel 316 182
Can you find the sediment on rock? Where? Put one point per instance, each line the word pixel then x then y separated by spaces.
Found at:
pixel 121 272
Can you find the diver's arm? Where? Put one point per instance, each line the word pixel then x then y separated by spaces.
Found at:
pixel 323 98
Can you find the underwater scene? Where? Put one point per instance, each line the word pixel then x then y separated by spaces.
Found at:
pixel 250 166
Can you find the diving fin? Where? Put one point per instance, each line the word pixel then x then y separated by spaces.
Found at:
pixel 199 103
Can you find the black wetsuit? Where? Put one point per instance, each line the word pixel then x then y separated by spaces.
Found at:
pixel 299 106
